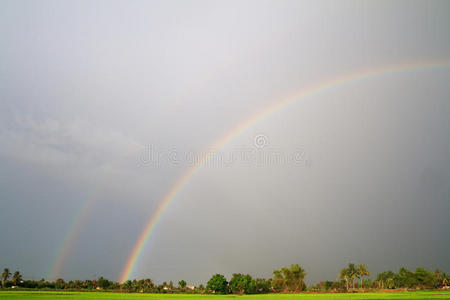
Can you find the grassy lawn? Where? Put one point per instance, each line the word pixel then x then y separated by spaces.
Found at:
pixel 91 296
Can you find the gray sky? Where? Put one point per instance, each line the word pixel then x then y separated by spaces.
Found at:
pixel 87 87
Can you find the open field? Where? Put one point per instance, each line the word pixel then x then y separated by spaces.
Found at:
pixel 17 295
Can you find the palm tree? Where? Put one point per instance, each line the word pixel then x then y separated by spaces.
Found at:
pixel 5 276
pixel 352 272
pixel 390 282
pixel 344 274
pixel 385 277
pixel 298 273
pixel 363 271
pixel 380 280
pixel 444 279
pixel 17 278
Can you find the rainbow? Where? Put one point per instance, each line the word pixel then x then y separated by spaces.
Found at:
pixel 67 243
pixel 76 227
pixel 321 87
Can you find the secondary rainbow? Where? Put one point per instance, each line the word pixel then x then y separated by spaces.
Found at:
pixel 78 222
pixel 321 87
pixel 67 243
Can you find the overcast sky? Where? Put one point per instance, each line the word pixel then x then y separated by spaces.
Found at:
pixel 87 88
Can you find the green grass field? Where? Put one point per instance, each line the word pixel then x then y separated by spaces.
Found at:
pixel 17 295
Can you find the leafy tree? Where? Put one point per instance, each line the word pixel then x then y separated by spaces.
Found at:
pixel 103 283
pixel 127 285
pixel 328 285
pixel 148 285
pixel 290 278
pixel 405 278
pixel 278 281
pixel 60 283
pixel 88 284
pixel 363 271
pixel 217 284
pixel 240 284
pixel 338 286
pixel 425 278
pixel 17 278
pixel 201 288
pixel 386 279
pixel 41 283
pixel 259 286
pixel 78 284
pixel 5 276
pixel 136 285
pixel 182 284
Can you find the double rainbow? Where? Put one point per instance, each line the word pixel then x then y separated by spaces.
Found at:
pixel 85 211
pixel 322 87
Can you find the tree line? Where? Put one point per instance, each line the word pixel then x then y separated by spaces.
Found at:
pixel 285 280
pixel 355 277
